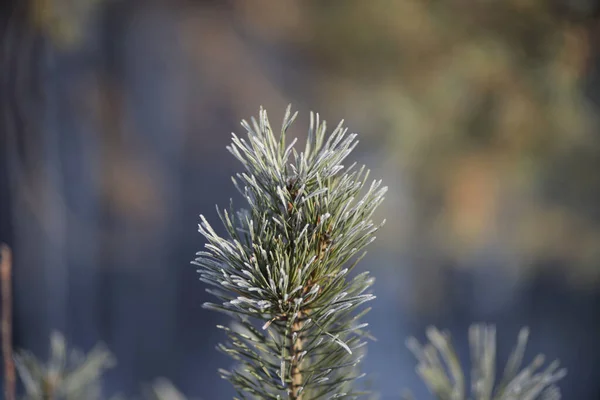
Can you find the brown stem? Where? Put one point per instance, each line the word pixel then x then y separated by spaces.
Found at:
pixel 295 350
pixel 48 391
pixel 6 328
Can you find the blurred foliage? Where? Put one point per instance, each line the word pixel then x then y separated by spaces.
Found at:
pixel 67 375
pixel 440 369
pixel 64 22
pixel 72 375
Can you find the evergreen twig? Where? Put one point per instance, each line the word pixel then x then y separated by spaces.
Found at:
pixel 441 371
pixel 285 263
pixel 68 375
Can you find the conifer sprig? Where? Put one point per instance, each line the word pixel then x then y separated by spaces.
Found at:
pixel 283 270
pixel 441 371
pixel 68 375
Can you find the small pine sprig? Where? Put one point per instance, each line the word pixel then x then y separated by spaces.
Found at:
pixel 282 271
pixel 68 375
pixel 445 379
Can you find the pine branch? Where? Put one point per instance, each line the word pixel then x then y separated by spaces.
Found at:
pixel 285 263
pixel 68 375
pixel 445 378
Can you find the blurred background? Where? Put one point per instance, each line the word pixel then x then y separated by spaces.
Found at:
pixel 480 116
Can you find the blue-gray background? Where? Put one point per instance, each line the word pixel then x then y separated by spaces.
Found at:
pixel 479 116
